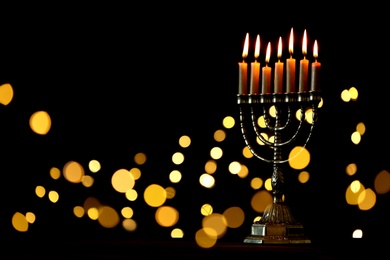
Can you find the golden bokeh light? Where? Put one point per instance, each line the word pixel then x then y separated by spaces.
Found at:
pixel 155 195
pixel 91 202
pixel 204 240
pixel 129 224
pixel 131 195
pixel 55 173
pixel 309 115
pixel 185 141
pixel 353 93
pixel 78 211
pixel 256 183
pixel 361 128
pixel 353 191
pixel 171 192
pixel 178 158
pixel 382 182
pixel 366 199
pixel 166 216
pixel 53 196
pixel 214 224
pixel 234 216
pixel 19 222
pixel 345 95
pixel 40 122
pixel 351 169
pixel 265 137
pixel 206 180
pixel 219 135
pixel 136 173
pixel 108 217
pixel 234 167
pixel 122 180
pixel 210 166
pixel 73 172
pixel 87 181
pixel 6 94
pixel 228 122
pixel 357 233
pixel 261 122
pixel 140 158
pixel 246 152
pixel 244 171
pixel 40 191
pixel 177 233
pixel 356 137
pixel 260 200
pixel 30 217
pixel 216 153
pixel 175 176
pixel 93 213
pixel 299 158
pixel 206 209
pixel 268 184
pixel 94 166
pixel 303 177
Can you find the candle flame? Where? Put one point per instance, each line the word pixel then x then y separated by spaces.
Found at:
pixel 246 46
pixel 304 44
pixel 268 54
pixel 291 43
pixel 257 48
pixel 315 50
pixel 280 48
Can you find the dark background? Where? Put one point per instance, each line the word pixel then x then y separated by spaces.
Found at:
pixel 122 79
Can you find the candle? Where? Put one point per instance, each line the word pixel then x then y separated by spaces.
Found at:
pixel 278 78
pixel 266 73
pixel 315 69
pixel 303 67
pixel 255 69
pixel 290 67
pixel 243 69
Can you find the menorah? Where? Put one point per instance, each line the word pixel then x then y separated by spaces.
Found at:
pixel 277 225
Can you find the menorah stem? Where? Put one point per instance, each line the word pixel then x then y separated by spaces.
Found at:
pixel 277 212
pixel 277 175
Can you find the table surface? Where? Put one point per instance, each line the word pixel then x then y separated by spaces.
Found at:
pixel 177 249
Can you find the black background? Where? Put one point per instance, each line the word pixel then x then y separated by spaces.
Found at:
pixel 122 79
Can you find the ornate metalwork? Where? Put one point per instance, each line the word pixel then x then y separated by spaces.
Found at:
pixel 277 225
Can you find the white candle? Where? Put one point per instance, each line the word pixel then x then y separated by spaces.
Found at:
pixel 290 67
pixel 278 78
pixel 315 69
pixel 266 73
pixel 243 69
pixel 255 69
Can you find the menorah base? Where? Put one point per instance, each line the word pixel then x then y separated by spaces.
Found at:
pixel 277 234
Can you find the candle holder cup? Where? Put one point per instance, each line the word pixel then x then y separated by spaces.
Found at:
pixel 277 225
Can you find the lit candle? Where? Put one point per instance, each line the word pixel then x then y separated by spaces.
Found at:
pixel 278 78
pixel 243 69
pixel 303 67
pixel 315 69
pixel 290 67
pixel 255 69
pixel 266 73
